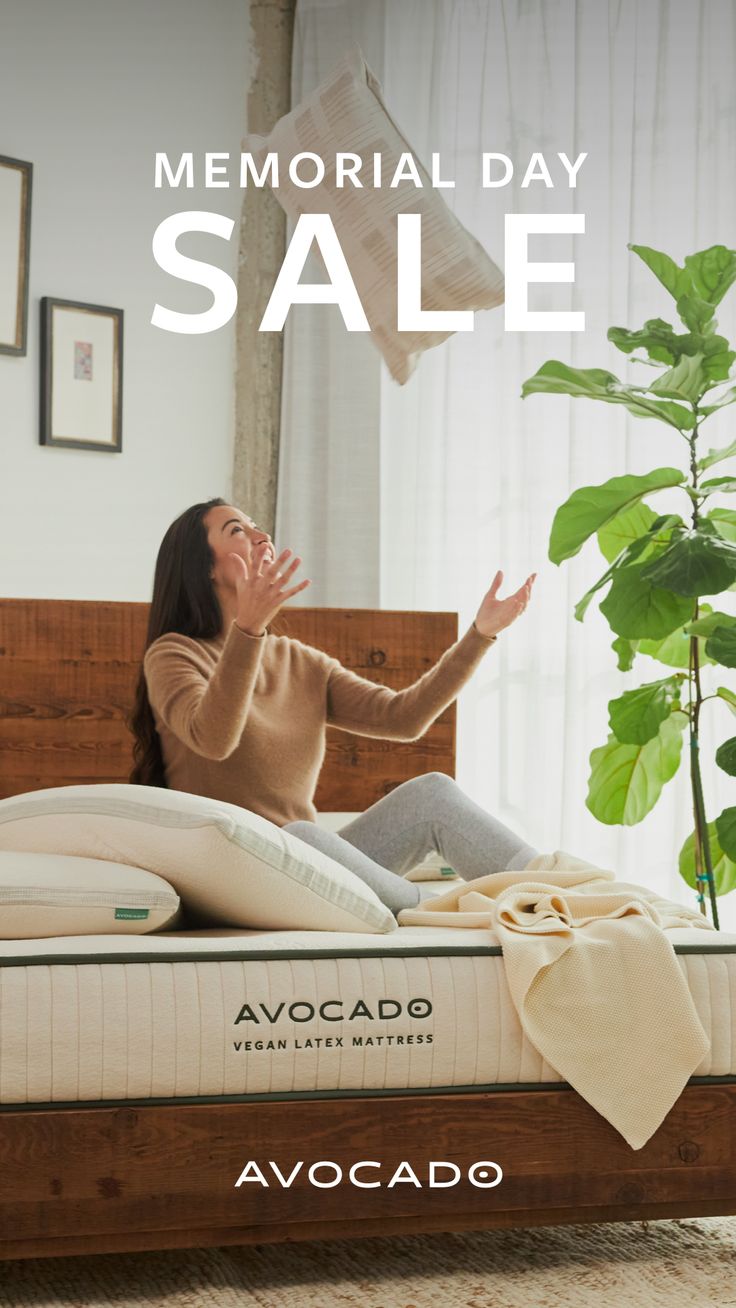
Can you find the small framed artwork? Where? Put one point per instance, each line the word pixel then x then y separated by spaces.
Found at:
pixel 81 375
pixel 16 179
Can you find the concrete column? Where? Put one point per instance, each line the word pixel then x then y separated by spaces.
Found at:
pixel 261 251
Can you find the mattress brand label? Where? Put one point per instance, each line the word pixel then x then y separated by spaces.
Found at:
pixel 333 1010
pixel 258 1016
pixel 131 914
pixel 331 1042
pixel 366 1174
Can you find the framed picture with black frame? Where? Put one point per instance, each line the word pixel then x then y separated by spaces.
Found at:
pixel 81 375
pixel 16 181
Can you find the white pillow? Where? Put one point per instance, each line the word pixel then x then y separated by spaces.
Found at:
pixel 229 866
pixel 346 113
pixel 58 895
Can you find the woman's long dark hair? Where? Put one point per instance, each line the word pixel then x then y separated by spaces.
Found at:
pixel 184 600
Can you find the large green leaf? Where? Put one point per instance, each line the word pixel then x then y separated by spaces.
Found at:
pixel 626 780
pixel 712 272
pixel 718 357
pixel 728 696
pixel 676 280
pixel 663 345
pixel 696 563
pixel 624 529
pixel 713 484
pixel 697 288
pixel 636 716
pixel 707 622
pixel 721 646
pixel 728 397
pixel 625 651
pixel 640 548
pixel 677 415
pixel 726 756
pixel 726 831
pixel 724 868
pixel 590 507
pixel 556 378
pixel 636 609
pixel 658 338
pixel 688 380
pixel 724 521
pixel 717 456
pixel 581 607
pixel 674 650
pixel 697 314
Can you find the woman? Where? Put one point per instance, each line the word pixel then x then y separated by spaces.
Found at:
pixel 228 709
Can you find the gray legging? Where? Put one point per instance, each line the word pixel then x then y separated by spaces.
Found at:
pixel 393 835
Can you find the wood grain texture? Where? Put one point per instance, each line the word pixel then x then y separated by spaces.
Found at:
pixel 164 1176
pixel 134 1241
pixel 69 670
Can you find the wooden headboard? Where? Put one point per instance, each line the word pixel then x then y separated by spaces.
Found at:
pixel 69 668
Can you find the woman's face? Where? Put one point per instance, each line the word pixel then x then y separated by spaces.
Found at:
pixel 229 531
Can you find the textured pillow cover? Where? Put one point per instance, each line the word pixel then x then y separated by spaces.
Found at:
pixel 59 895
pixel 346 113
pixel 229 865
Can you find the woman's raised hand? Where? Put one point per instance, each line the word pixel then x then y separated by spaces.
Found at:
pixel 494 614
pixel 262 590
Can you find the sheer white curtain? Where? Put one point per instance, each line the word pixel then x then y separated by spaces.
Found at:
pixel 412 497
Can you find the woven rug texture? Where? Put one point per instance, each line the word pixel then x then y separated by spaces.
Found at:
pixel 676 1264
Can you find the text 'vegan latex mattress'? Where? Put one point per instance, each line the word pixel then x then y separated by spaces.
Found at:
pixel 207 1014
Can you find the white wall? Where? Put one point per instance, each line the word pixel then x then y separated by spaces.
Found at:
pixel 89 90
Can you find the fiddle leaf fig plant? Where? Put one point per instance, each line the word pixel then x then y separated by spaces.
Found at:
pixel 660 566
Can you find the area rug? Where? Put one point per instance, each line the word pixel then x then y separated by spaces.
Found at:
pixel 676 1264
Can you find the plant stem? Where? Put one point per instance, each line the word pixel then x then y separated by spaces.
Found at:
pixel 702 841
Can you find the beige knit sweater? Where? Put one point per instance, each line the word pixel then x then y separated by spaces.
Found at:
pixel 242 718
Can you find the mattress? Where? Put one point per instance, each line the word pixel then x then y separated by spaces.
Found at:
pixel 234 1014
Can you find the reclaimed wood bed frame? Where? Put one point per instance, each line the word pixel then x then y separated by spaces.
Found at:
pixel 124 1177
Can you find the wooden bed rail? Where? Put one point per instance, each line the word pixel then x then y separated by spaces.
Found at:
pixel 126 1178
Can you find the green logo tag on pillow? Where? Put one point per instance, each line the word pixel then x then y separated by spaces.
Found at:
pixel 131 914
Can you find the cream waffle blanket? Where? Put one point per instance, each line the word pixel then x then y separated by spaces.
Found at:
pixel 594 979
